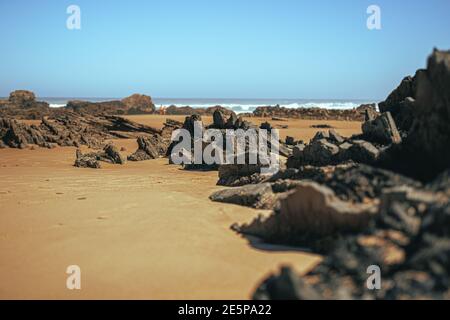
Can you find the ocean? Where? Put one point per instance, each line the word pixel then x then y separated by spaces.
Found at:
pixel 237 105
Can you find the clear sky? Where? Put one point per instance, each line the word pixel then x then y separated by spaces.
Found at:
pixel 318 49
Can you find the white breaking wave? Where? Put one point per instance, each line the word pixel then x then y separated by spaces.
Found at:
pixel 57 105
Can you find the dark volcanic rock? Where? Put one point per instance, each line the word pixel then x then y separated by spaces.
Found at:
pixel 400 102
pixel 425 153
pixel 308 113
pixel 381 129
pixel 319 153
pixel 361 151
pixel 358 183
pixel 408 235
pixel 109 154
pixel 307 212
pixel 113 153
pixel 218 120
pixel 259 196
pixel 408 239
pixel 149 148
pixel 232 174
pixel 70 129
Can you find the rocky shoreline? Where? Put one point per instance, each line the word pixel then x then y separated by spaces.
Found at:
pixel 336 197
pixel 379 198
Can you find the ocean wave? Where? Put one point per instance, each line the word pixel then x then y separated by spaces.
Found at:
pixel 243 108
pixel 57 105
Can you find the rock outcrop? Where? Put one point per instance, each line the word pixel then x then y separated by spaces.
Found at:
pixel 134 104
pixel 22 104
pixel 150 147
pixel 382 130
pixel 424 153
pixel 70 129
pixel 408 236
pixel 356 114
pixel 109 154
pixel 307 212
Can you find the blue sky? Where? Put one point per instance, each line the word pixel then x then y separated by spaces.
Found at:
pixel 217 49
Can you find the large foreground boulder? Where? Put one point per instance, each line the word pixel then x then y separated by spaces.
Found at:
pixel 309 211
pixel 425 152
pixel 409 241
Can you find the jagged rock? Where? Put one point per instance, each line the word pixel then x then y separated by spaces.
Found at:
pixel 321 135
pixel 232 121
pixel 409 240
pixel 361 151
pixel 409 234
pixel 259 196
pixel 307 212
pixel 424 152
pixel 297 151
pixel 218 120
pixel 320 153
pixel 113 153
pixel 109 154
pixel 401 208
pixel 382 129
pixel 335 137
pixel 148 148
pixel 86 161
pixel 358 183
pixel 230 173
pixel 398 103
pixel 18 135
pixel 308 113
pixel 189 123
pixel 370 114
pixel 302 173
pixel 290 141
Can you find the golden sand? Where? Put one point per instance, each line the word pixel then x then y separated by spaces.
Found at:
pixel 145 230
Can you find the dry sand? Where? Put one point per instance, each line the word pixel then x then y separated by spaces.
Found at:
pixel 145 230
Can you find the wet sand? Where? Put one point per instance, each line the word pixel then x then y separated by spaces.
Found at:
pixel 144 230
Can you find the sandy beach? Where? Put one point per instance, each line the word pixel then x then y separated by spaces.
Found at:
pixel 145 230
